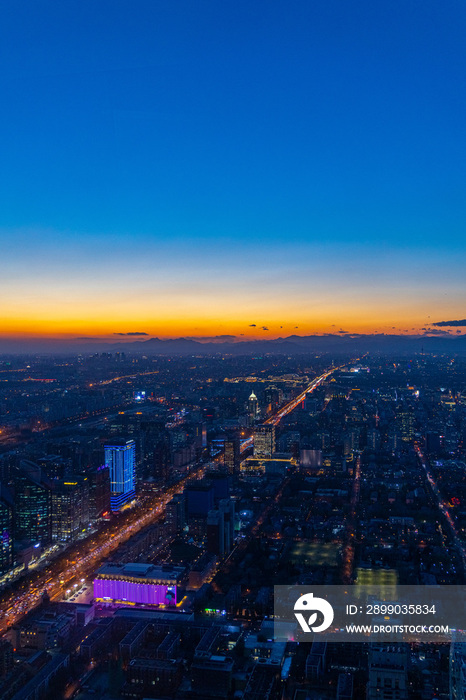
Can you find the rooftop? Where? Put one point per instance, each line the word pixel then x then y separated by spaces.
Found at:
pixel 142 571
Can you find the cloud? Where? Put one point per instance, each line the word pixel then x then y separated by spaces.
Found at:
pixel 133 333
pixel 340 331
pixel 86 337
pixel 435 331
pixel 212 338
pixel 461 322
pixel 264 328
pixel 252 325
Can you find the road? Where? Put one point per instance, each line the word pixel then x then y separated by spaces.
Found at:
pixel 82 560
pixel 289 407
pixel 442 506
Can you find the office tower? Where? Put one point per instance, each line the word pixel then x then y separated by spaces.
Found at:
pixel 200 499
pixel 176 514
pixel 69 508
pixel 99 493
pixel 289 442
pixel 405 423
pixel 120 458
pixel 32 504
pixel 227 507
pixel 273 397
pixel 6 529
pixel 215 533
pixel 253 408
pixel 220 482
pixel 220 528
pixel 232 454
pixel 264 441
pixel 53 465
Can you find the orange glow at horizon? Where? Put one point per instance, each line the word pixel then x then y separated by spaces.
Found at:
pixel 124 329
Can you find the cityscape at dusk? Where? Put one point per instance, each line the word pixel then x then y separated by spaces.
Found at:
pixel 233 350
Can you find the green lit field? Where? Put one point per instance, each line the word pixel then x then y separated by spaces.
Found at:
pixel 376 577
pixel 314 554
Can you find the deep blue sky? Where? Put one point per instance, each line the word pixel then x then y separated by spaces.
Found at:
pixel 232 139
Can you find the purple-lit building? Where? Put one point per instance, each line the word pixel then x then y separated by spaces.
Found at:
pixel 137 584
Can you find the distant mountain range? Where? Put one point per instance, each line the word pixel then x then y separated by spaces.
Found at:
pixel 294 344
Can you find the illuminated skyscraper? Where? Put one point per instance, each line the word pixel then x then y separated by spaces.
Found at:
pixel 32 504
pixel 232 453
pixel 120 458
pixel 69 508
pixel 264 441
pixel 6 529
pixel 405 423
pixel 253 408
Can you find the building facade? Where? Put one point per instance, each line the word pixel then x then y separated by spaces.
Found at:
pixel 120 458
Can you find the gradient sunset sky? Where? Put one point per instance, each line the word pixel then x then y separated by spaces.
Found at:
pixel 192 167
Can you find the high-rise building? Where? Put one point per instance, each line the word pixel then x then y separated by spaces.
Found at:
pixel 32 504
pixel 227 507
pixel 120 458
pixel 232 454
pixel 273 398
pixel 99 493
pixel 220 482
pixel 220 528
pixel 176 514
pixel 70 509
pixel 215 533
pixel 6 529
pixel 253 408
pixel 200 498
pixel 264 441
pixel 405 423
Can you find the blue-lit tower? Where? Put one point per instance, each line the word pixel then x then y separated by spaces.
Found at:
pixel 120 458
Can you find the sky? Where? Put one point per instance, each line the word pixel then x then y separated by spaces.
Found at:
pixel 258 169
